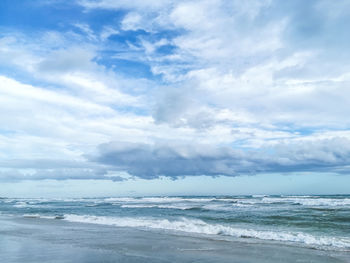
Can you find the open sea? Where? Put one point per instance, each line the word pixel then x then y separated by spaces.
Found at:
pixel 316 223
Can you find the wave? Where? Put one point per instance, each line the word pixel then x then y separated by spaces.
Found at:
pixel 27 205
pixel 157 199
pixel 180 207
pixel 228 208
pixel 190 203
pixel 174 199
pixel 184 206
pixel 200 227
pixel 305 201
pixel 21 204
pixel 310 201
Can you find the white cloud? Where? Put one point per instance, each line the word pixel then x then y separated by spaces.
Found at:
pixel 132 21
pixel 227 75
pixel 125 4
pixel 87 30
pixel 107 32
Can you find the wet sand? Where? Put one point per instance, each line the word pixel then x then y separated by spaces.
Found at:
pixel 58 241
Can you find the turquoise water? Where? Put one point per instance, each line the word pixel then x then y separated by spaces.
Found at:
pixel 319 222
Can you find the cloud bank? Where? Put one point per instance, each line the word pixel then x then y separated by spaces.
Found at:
pixel 152 161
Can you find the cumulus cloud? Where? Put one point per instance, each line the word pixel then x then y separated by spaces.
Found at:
pixel 270 68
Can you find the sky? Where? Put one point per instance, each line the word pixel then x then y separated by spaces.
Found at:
pixel 115 97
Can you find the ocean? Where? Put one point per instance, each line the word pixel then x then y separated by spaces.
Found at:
pixel 314 227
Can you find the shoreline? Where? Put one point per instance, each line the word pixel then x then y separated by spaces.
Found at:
pixel 49 240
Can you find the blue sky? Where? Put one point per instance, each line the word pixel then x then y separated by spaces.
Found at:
pixel 106 97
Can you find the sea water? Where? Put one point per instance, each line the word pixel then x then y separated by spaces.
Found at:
pixel 316 222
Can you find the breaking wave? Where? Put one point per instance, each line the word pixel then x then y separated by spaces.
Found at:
pixel 200 227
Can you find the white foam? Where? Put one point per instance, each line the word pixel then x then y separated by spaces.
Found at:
pixel 157 200
pixel 226 207
pixel 139 206
pixel 323 202
pixel 20 204
pixel 121 199
pixel 7 201
pixel 161 199
pixel 201 227
pixel 306 201
pixel 184 206
pixel 218 208
pixel 181 207
pixel 199 199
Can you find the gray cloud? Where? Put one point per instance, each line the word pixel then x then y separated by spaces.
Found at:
pixel 174 160
pixel 151 161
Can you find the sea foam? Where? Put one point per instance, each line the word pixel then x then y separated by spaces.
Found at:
pixel 200 227
pixel 306 201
